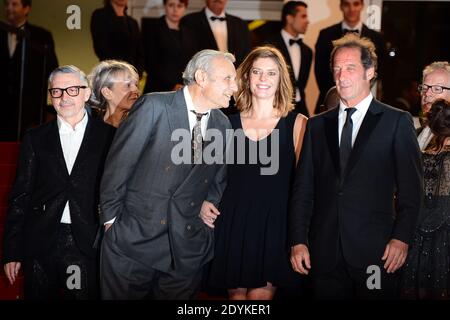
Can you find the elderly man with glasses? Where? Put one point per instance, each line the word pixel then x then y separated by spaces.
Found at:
pixel 52 220
pixel 435 85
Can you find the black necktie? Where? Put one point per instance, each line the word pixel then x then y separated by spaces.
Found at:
pixel 345 31
pixel 346 140
pixel 213 18
pixel 197 138
pixel 298 41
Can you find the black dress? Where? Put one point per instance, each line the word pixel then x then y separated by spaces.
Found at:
pixel 251 245
pixel 427 268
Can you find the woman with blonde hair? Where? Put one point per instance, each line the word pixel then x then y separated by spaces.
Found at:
pixel 252 252
pixel 114 87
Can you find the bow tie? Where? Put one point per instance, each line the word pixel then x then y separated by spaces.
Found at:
pixel 345 31
pixel 213 18
pixel 298 41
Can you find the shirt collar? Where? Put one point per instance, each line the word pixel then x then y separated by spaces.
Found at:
pixel 287 36
pixel 65 127
pixel 362 106
pixel 357 27
pixel 210 14
pixel 189 102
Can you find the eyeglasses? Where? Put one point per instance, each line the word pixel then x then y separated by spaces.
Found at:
pixel 435 89
pixel 72 91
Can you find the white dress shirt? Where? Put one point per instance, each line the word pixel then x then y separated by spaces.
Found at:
pixel 295 53
pixel 71 140
pixel 192 117
pixel 219 29
pixel 357 116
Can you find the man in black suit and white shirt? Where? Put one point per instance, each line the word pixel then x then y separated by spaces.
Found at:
pixel 351 10
pixel 358 187
pixel 298 55
pixel 52 220
pixel 214 29
pixel 40 60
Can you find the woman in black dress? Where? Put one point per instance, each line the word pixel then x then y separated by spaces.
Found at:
pixel 252 252
pixel 168 47
pixel 426 274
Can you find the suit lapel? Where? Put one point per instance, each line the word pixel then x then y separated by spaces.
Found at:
pixel 55 147
pixel 369 123
pixel 87 145
pixel 332 134
pixel 178 118
pixel 205 26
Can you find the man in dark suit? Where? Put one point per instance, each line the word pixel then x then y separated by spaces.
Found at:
pixel 157 243
pixel 214 29
pixel 358 187
pixel 351 10
pixel 52 220
pixel 298 55
pixel 40 60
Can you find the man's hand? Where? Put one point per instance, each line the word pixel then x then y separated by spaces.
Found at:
pixel 107 226
pixel 395 255
pixel 300 255
pixel 208 213
pixel 12 270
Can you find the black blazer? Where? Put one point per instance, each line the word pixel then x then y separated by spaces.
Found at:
pixel 305 65
pixel 167 53
pixel 43 186
pixel 40 61
pixel 358 211
pixel 116 37
pixel 238 35
pixel 324 46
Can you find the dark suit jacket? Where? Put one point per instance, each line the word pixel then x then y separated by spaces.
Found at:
pixel 324 46
pixel 40 61
pixel 358 211
pixel 238 35
pixel 167 53
pixel 43 186
pixel 305 67
pixel 116 37
pixel 157 202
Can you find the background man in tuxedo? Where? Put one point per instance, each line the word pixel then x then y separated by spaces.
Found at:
pixel 435 85
pixel 40 60
pixel 157 243
pixel 351 10
pixel 215 29
pixel 289 41
pixel 52 219
pixel 355 160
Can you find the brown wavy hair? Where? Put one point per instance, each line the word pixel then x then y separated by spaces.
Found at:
pixel 284 94
pixel 438 119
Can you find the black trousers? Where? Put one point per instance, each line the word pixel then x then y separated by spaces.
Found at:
pixel 123 278
pixel 347 282
pixel 66 273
